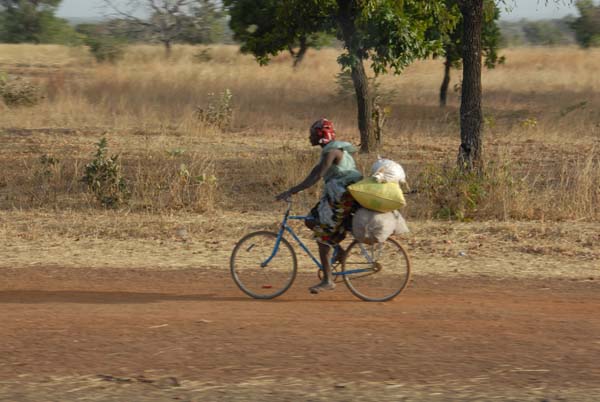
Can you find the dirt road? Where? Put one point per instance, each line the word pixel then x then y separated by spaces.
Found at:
pixel 126 334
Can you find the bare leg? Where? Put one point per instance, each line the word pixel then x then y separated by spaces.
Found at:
pixel 325 255
pixel 327 282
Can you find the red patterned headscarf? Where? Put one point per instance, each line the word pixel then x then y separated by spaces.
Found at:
pixel 324 131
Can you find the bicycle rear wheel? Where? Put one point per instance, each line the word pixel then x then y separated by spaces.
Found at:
pixel 261 268
pixel 377 272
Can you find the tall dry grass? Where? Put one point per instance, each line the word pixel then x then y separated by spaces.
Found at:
pixel 541 135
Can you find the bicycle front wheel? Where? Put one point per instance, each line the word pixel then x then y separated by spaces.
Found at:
pixel 261 266
pixel 377 272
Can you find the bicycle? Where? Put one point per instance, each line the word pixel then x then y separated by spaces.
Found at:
pixel 264 264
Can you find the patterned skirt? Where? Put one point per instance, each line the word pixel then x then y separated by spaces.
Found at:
pixel 342 220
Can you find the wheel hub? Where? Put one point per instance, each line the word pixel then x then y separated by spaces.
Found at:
pixel 377 266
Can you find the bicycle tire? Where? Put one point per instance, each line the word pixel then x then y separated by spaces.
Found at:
pixel 246 269
pixel 380 280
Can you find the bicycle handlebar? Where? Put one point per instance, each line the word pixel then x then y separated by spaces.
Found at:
pixel 289 204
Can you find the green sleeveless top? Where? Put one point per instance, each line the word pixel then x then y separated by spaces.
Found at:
pixel 339 176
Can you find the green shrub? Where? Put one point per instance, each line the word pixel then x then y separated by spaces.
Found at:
pixel 202 56
pixel 18 91
pixel 48 164
pixel 219 111
pixel 455 194
pixel 105 49
pixel 104 179
pixel 45 179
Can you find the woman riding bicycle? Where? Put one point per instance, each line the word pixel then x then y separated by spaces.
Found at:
pixel 329 217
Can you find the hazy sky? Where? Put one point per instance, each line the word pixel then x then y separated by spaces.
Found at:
pixel 530 9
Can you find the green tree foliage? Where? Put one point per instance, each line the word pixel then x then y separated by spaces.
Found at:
pixel 389 34
pixel 16 91
pixel 103 41
pixel 587 26
pixel 261 28
pixel 537 33
pixel 543 33
pixel 33 21
pixel 452 43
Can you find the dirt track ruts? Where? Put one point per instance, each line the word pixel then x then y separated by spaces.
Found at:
pixel 505 336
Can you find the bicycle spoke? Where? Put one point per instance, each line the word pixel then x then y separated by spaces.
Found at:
pixel 248 269
pixel 377 272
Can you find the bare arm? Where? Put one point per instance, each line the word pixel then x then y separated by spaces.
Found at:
pixel 315 174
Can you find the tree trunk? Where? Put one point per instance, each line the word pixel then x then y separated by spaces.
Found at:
pixel 291 51
pixel 471 115
pixel 368 141
pixel 346 18
pixel 445 83
pixel 298 57
pixel 167 43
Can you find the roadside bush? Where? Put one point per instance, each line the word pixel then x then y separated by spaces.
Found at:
pixel 105 49
pixel 202 56
pixel 458 195
pixel 104 179
pixel 18 91
pixel 45 179
pixel 453 194
pixel 179 180
pixel 219 111
pixel 48 164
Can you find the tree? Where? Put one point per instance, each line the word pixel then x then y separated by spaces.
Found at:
pixel 471 114
pixel 165 22
pixel 544 33
pixel 103 43
pixel 32 21
pixel 470 152
pixel 587 25
pixel 452 44
pixel 387 33
pixel 191 21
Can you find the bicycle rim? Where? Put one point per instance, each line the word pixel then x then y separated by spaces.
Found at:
pixel 257 271
pixel 376 272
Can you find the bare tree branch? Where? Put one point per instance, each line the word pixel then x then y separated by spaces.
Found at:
pixel 165 20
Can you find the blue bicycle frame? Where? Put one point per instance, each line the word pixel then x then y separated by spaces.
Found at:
pixel 284 227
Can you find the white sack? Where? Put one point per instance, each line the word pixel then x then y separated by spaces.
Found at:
pixel 388 171
pixel 375 227
pixel 401 226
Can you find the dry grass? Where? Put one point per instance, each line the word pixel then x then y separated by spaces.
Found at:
pixel 542 129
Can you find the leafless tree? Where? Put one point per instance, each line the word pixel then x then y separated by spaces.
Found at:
pixel 165 18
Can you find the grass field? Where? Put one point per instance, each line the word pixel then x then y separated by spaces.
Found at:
pixel 542 133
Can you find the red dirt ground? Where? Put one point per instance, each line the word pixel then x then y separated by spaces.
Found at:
pixel 109 334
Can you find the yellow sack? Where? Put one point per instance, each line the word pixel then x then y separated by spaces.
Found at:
pixel 380 197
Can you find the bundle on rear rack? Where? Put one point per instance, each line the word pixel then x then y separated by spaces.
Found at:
pixel 380 196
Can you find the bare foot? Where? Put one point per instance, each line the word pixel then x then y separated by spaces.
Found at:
pixel 323 286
